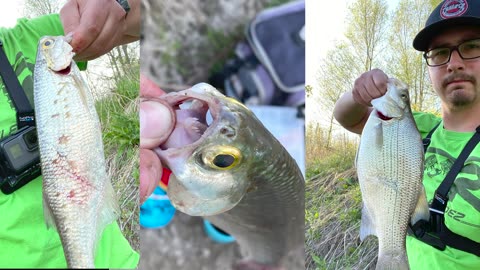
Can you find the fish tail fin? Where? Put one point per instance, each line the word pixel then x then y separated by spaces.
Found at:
pixel 392 261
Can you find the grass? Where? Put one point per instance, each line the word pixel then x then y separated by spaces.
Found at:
pixel 333 212
pixel 118 114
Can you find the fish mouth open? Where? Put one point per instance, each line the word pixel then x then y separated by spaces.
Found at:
pixel 64 71
pixel 194 114
pixel 383 117
pixel 193 189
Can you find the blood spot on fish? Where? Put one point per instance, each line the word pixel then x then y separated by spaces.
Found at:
pixel 55 115
pixel 63 139
pixel 56 161
pixel 71 194
pixel 72 165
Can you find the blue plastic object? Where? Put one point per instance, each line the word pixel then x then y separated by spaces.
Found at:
pixel 157 211
pixel 215 234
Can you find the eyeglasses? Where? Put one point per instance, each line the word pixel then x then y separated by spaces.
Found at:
pixel 469 49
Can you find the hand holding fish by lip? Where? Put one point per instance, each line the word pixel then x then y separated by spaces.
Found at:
pixel 369 85
pixel 156 123
pixel 99 25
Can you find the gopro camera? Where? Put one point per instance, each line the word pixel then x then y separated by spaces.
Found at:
pixel 19 159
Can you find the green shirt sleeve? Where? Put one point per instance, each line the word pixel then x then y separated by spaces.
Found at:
pixel 425 122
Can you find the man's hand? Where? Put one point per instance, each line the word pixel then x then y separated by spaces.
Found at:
pixel 156 124
pixel 99 25
pixel 370 85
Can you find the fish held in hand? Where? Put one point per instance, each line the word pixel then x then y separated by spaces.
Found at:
pixel 390 171
pixel 234 173
pixel 78 197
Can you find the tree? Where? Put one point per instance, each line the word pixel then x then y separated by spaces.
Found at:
pixel 406 63
pixel 367 22
pixel 35 8
pixel 336 76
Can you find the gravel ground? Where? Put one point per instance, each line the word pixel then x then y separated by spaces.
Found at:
pixel 183 244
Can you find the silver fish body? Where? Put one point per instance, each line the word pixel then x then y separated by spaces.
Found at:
pixel 390 169
pixel 78 197
pixel 238 176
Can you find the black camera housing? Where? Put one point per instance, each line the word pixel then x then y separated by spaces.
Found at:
pixel 19 159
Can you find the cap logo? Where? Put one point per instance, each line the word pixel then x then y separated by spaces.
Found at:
pixel 453 8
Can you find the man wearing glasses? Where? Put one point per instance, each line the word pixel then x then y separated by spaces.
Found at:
pixel 451 45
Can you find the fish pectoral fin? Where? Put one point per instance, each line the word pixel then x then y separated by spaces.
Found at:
pixel 421 209
pixel 367 226
pixel 356 154
pixel 109 211
pixel 48 215
pixel 379 135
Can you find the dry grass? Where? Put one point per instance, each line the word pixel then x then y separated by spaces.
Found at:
pixel 333 224
pixel 333 207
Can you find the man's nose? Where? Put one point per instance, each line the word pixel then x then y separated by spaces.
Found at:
pixel 456 61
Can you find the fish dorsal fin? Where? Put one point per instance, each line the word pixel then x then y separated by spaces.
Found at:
pixel 367 226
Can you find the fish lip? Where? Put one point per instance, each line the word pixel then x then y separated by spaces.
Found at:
pixel 64 71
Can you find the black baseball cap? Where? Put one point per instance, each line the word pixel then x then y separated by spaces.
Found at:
pixel 448 13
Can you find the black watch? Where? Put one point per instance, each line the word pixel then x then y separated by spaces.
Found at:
pixel 124 4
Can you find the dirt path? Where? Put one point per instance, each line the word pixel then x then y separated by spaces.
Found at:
pixel 183 244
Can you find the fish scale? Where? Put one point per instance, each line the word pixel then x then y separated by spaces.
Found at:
pixel 390 169
pixel 78 197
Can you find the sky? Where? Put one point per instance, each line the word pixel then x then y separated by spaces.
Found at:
pixel 10 12
pixel 325 23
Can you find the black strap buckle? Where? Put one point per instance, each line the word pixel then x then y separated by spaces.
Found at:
pixel 428 231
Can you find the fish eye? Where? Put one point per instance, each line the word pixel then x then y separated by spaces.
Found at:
pixel 222 157
pixel 47 43
pixel 223 161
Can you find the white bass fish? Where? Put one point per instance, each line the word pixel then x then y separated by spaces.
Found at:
pixel 78 197
pixel 390 170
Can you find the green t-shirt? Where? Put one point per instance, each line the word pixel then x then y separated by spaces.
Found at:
pixel 462 215
pixel 24 238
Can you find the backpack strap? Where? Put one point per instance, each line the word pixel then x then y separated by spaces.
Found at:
pixel 441 194
pixel 427 139
pixel 25 114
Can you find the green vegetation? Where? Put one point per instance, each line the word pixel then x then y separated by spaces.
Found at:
pixel 118 114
